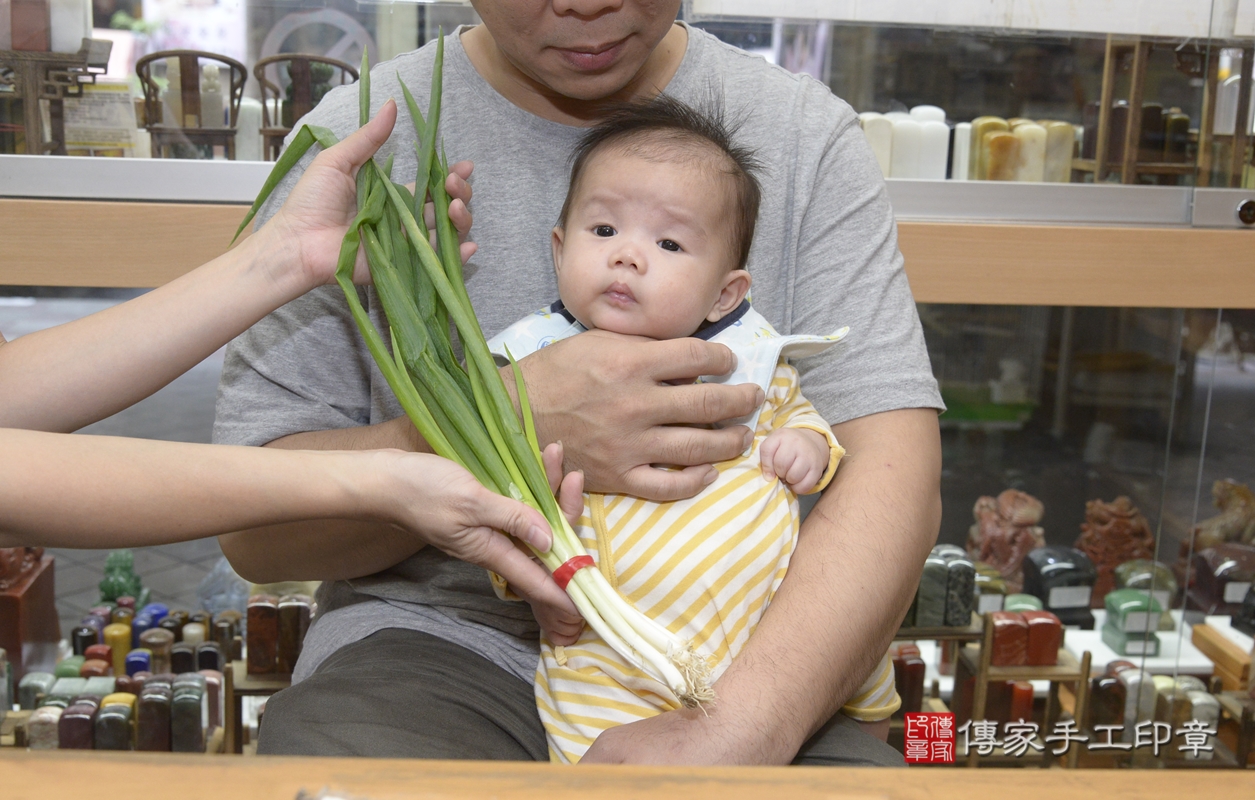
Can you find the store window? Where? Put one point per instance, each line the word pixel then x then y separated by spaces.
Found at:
pixel 237 31
pixel 948 87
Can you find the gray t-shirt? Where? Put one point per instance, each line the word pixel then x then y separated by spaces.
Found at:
pixel 824 255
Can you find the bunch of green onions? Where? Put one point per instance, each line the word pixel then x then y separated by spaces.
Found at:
pixel 465 413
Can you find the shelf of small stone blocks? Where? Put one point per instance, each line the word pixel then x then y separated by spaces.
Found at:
pixel 971 633
pixel 1177 654
pixel 1066 669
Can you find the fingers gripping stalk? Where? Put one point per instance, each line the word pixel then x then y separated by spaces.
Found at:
pixel 464 413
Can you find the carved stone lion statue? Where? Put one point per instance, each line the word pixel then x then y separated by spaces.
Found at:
pixel 1006 529
pixel 1234 523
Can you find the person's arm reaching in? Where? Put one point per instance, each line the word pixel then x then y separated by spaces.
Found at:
pixel 110 360
pixel 88 491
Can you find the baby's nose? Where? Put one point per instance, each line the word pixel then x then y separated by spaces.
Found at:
pixel 629 256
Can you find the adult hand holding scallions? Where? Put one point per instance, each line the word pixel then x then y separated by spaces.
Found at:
pixel 464 412
pixel 63 490
pixel 311 223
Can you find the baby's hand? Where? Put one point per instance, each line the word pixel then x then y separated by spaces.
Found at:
pixel 562 627
pixel 797 455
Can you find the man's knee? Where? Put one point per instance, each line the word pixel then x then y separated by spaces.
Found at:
pixel 404 694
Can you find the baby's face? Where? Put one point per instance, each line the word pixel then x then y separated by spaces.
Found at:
pixel 648 247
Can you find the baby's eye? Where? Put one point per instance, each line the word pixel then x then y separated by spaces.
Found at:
pixel 603 230
pixel 669 244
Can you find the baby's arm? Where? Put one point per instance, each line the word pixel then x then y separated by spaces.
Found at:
pixel 798 456
pixel 801 448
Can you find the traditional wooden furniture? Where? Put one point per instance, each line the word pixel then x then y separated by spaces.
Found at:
pixel 192 128
pixel 37 76
pixel 298 98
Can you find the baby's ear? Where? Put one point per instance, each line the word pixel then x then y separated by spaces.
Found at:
pixel 556 243
pixel 736 285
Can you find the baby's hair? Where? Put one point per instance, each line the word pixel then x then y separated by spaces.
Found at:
pixel 664 128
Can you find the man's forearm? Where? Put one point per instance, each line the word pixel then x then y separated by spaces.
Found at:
pixel 327 549
pixel 397 434
pixel 857 563
pixel 316 550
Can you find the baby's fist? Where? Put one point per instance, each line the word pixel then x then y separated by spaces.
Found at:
pixel 797 456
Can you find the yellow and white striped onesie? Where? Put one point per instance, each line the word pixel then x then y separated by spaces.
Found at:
pixel 705 567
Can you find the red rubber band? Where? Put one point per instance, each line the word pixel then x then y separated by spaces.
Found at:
pixel 563 574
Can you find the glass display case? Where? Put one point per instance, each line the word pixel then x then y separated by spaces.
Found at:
pixel 82 100
pixel 1092 432
pixel 1075 195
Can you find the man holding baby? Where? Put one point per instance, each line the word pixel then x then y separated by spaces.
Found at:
pixel 413 653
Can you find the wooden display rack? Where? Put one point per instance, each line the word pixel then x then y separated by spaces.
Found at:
pixel 235 689
pixel 1129 166
pixel 1066 670
pixel 1240 707
pixel 1232 663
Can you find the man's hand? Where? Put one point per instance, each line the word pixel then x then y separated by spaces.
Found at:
pixel 796 455
pixel 459 188
pixel 607 398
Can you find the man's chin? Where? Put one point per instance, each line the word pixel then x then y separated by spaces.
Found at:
pixel 568 81
pixel 590 88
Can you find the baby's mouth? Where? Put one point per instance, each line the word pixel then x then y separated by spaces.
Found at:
pixel 620 294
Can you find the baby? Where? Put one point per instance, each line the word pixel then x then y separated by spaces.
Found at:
pixel 653 241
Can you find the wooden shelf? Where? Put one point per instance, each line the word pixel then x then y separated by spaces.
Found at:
pixel 238 685
pixel 983 263
pixel 1240 707
pixel 971 633
pixel 1068 669
pixel 257 685
pixel 1143 167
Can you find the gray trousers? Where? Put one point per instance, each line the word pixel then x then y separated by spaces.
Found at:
pixel 406 694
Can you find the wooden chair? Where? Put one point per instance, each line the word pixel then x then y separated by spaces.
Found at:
pixel 309 78
pixel 193 130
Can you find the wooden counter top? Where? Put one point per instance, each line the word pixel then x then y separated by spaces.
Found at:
pixel 106 776
pixel 100 243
